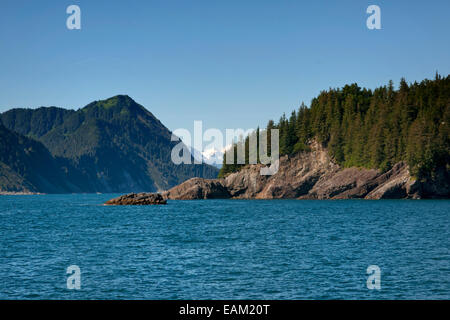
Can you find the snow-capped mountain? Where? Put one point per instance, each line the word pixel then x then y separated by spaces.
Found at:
pixel 211 156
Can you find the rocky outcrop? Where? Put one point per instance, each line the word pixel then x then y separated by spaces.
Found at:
pixel 394 184
pixel 137 199
pixel 198 188
pixel 313 175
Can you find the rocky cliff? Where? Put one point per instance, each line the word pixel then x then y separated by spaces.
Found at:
pixel 314 175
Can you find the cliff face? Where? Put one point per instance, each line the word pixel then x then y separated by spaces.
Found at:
pixel 313 175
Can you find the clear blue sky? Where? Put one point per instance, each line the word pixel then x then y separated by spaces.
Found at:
pixel 229 63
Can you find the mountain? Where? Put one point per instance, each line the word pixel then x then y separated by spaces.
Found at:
pixel 34 122
pixel 113 145
pixel 27 166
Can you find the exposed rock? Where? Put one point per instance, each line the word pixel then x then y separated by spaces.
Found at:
pixel 343 184
pixel 138 199
pixel 198 188
pixel 246 183
pixel 314 175
pixel 393 184
pixel 295 177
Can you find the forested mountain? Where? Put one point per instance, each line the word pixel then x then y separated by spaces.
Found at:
pixel 374 129
pixel 34 122
pixel 113 145
pixel 26 165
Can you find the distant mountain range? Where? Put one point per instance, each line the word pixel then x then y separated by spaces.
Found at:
pixel 113 145
pixel 211 156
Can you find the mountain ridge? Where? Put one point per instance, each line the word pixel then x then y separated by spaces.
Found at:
pixel 111 145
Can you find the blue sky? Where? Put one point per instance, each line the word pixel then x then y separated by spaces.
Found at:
pixel 232 64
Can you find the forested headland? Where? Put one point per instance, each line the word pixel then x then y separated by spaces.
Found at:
pixel 371 128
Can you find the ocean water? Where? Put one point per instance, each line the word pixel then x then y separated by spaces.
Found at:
pixel 223 249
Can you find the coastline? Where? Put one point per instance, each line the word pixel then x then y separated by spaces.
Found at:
pixel 19 193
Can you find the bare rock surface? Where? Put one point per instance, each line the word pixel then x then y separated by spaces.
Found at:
pixel 198 188
pixel 138 199
pixel 393 184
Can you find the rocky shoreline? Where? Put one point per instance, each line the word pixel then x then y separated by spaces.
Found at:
pixel 306 175
pixel 313 175
pixel 19 193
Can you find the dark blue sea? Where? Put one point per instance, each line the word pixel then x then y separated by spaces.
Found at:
pixel 223 249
